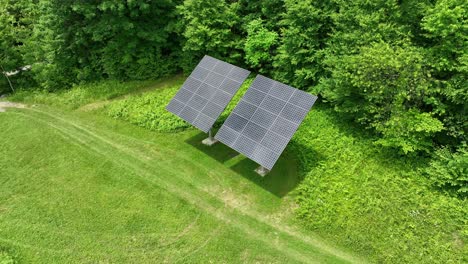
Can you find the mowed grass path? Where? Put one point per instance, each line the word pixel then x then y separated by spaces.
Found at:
pixel 80 187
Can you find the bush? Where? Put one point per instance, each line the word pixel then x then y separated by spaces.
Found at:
pixel 449 170
pixel 149 110
pixel 259 45
pixel 386 88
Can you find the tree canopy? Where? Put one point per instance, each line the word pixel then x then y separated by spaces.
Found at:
pixel 398 68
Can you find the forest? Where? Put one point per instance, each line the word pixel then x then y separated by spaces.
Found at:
pixel 394 71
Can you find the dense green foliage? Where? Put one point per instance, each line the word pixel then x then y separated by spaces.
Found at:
pixel 450 170
pixel 260 45
pixel 385 88
pixel 209 27
pixel 16 23
pixel 83 41
pixel 399 68
pixel 446 29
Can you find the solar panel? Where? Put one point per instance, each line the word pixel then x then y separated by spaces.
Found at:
pixel 265 120
pixel 206 92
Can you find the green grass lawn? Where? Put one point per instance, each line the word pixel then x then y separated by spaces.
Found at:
pixel 80 187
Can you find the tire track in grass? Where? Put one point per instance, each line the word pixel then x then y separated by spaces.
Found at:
pixel 131 158
pixel 65 252
pixel 276 223
pixel 84 142
pixel 184 194
pixel 204 244
pixel 290 231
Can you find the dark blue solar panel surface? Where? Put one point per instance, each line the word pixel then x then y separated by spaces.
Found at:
pixel 206 92
pixel 265 120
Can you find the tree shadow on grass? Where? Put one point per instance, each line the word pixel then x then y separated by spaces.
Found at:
pixel 281 180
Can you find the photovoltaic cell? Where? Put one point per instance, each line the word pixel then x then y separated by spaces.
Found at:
pixel 206 92
pixel 245 146
pixel 265 120
pixel 227 135
pixel 236 122
pixel 246 110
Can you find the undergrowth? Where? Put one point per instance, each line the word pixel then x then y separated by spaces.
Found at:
pixel 149 110
pixel 85 93
pixel 372 200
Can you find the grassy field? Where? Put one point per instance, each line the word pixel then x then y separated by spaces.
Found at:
pixel 103 173
pixel 80 187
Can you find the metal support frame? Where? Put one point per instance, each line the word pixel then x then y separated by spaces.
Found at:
pixel 262 171
pixel 8 79
pixel 210 141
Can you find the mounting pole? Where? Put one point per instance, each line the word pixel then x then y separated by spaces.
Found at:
pixel 6 76
pixel 210 141
pixel 262 171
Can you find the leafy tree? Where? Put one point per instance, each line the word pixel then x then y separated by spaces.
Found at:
pixel 54 64
pixel 260 46
pixel 16 25
pixel 386 88
pixel 88 40
pixel 269 11
pixel 446 30
pixel 306 27
pixel 210 27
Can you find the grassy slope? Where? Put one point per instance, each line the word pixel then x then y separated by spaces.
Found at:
pixel 373 200
pixel 78 187
pixel 356 193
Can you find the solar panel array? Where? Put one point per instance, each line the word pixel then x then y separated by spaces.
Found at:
pixel 265 120
pixel 206 92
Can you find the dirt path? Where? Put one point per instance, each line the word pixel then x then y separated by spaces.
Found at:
pixel 5 104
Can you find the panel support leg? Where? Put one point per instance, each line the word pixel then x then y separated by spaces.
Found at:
pixel 262 171
pixel 210 141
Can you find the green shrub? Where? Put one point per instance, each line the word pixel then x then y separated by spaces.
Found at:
pixel 385 88
pixel 450 170
pixel 149 110
pixel 259 45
